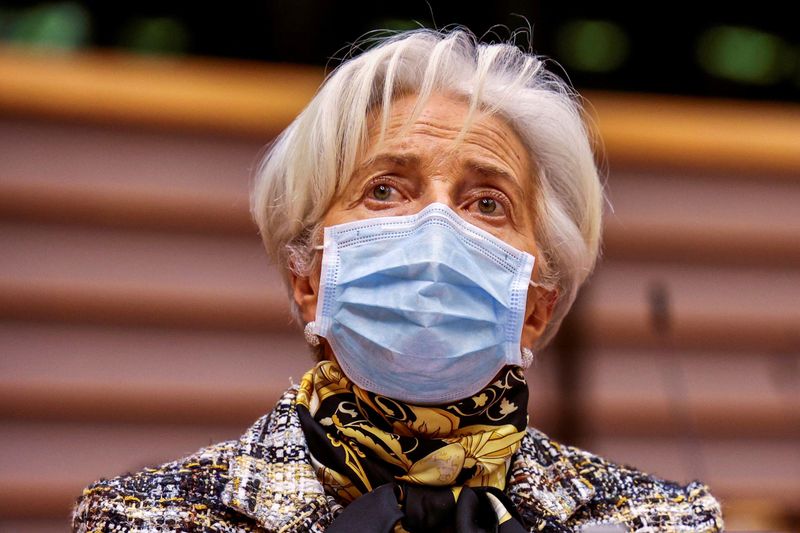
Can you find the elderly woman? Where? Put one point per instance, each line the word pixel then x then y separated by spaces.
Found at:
pixel 434 209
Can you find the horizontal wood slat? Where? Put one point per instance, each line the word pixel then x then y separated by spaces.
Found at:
pixel 667 131
pixel 191 93
pixel 125 208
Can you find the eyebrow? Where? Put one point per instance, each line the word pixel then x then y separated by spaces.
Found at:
pixel 490 170
pixel 399 159
pixel 483 168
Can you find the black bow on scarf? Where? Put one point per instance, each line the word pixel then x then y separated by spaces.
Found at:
pixel 426 509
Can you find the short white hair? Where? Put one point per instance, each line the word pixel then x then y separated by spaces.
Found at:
pixel 312 159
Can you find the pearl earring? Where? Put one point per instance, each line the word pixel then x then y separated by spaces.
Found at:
pixel 527 358
pixel 311 337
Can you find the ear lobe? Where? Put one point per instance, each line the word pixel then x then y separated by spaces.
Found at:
pixel 305 296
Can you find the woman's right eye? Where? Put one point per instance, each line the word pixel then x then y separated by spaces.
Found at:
pixel 382 189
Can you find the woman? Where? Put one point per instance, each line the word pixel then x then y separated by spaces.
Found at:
pixel 434 209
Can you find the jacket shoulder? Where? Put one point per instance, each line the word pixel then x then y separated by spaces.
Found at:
pixel 642 501
pixel 180 495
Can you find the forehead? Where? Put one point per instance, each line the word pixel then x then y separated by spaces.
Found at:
pixel 443 117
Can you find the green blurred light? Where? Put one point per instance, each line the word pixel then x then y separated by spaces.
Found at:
pixel 744 55
pixel 6 16
pixel 158 35
pixel 592 45
pixel 64 25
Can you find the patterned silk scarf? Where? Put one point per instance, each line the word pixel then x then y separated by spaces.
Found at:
pixel 403 467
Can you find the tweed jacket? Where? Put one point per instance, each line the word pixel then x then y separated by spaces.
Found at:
pixel 265 482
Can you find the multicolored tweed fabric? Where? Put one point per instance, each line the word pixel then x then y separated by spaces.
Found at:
pixel 265 482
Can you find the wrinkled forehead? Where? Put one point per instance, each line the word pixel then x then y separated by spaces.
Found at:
pixel 388 129
pixel 401 116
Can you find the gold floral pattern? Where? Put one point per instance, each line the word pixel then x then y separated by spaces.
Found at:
pixel 372 439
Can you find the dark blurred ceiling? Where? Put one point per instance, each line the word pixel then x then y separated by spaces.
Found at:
pixel 750 51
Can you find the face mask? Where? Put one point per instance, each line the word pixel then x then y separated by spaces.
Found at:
pixel 425 308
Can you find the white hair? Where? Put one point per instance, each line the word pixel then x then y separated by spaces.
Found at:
pixel 312 159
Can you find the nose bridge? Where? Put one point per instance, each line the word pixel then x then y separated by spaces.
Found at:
pixel 440 189
pixel 442 180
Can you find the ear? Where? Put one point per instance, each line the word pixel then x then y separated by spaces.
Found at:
pixel 538 311
pixel 305 295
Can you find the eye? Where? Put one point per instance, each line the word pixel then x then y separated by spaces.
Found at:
pixel 490 206
pixel 487 206
pixel 382 191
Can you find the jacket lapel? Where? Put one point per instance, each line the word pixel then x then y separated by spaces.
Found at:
pixel 544 483
pixel 271 477
pixel 272 480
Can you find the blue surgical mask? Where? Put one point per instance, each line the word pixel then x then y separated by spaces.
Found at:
pixel 425 308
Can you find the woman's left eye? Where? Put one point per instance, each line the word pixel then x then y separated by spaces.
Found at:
pixel 490 206
pixel 487 205
pixel 382 191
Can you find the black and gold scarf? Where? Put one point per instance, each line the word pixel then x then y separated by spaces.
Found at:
pixel 403 467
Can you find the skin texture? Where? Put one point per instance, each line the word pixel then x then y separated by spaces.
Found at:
pixel 485 180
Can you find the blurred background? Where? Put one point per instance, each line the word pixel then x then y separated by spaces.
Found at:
pixel 140 318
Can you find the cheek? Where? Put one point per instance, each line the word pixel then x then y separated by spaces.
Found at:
pixel 332 216
pixel 522 242
pixel 338 213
